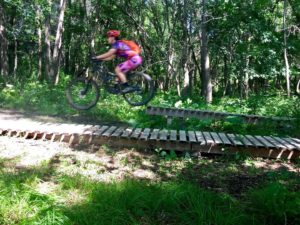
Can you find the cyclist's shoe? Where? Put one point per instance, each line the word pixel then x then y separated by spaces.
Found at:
pixel 127 89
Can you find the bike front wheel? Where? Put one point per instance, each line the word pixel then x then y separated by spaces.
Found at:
pixel 143 89
pixel 82 93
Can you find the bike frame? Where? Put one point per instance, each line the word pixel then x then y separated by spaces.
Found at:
pixel 99 71
pixel 98 75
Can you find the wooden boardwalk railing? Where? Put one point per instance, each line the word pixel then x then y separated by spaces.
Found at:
pixel 194 141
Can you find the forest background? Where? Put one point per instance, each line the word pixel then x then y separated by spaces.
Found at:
pixel 241 56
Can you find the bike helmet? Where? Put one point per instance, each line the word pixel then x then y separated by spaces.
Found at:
pixel 113 33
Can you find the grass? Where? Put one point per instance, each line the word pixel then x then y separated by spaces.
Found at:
pixel 132 202
pixel 46 195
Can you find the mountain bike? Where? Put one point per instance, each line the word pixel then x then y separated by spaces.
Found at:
pixel 83 92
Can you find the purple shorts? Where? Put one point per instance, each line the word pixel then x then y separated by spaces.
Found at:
pixel 130 64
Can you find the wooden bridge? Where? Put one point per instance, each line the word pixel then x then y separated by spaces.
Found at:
pixel 193 141
pixel 170 113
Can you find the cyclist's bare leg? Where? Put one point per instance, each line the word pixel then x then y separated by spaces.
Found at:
pixel 121 75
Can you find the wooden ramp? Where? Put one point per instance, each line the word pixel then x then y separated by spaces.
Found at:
pixel 194 141
pixel 205 114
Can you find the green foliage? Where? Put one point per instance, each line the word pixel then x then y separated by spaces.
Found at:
pixel 244 38
pixel 167 155
pixel 275 204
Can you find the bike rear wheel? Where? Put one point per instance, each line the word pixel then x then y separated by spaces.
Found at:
pixel 82 93
pixel 143 89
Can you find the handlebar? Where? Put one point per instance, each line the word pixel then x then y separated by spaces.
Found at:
pixel 94 60
pixel 96 64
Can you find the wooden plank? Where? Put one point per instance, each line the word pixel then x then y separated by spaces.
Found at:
pixel 296 139
pixel 18 134
pixel 216 138
pixel 219 115
pixel 256 142
pixel 208 138
pixel 162 112
pixel 109 131
pixel 200 138
pixel 155 111
pixel 118 132
pixel 177 112
pixel 88 130
pixel 192 113
pixel 245 141
pixel 182 113
pixel 236 140
pixel 101 130
pixel 154 134
pixel 205 114
pixel 35 134
pixel 145 134
pixel 127 132
pixel 169 112
pixel 198 114
pixel 55 136
pixel 150 110
pixel 192 136
pixel 182 136
pixel 291 141
pixel 224 139
pixel 265 142
pixel 173 135
pixel 208 114
pixel 186 113
pixel 136 133
pixel 163 135
pixel 284 142
pixel 9 133
pixel 276 143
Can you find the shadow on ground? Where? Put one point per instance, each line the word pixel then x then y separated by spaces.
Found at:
pixel 182 191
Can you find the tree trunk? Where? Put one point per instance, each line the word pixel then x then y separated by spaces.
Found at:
pixel 226 77
pixel 15 58
pixel 286 61
pixel 185 52
pixel 178 85
pixel 170 70
pixel 298 87
pixel 186 81
pixel 57 45
pixel 246 77
pixel 48 60
pixel 40 47
pixel 205 67
pixel 3 45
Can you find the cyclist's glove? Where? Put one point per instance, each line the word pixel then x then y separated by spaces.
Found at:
pixel 94 59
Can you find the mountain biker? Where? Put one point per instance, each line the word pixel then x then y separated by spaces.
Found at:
pixel 124 49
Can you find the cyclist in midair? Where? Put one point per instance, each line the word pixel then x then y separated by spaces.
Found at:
pixel 125 49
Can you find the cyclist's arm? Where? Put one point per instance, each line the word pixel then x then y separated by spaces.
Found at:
pixel 107 55
pixel 109 58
